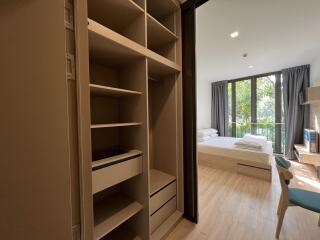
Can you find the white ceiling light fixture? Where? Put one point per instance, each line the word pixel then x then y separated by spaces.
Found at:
pixel 250 66
pixel 234 34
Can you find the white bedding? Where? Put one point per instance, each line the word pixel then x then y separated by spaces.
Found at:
pixel 224 146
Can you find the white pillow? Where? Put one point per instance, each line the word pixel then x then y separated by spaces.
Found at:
pixel 206 132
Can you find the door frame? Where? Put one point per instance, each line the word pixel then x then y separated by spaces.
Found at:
pixel 190 108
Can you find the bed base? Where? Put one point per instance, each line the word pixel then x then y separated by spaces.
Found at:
pixel 258 170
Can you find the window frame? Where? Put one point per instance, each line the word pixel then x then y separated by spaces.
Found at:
pixel 254 121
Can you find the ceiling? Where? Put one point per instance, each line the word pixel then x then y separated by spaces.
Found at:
pixel 276 34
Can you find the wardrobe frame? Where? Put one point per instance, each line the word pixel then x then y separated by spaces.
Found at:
pixel 83 95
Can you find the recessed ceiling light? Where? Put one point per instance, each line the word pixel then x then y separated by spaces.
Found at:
pixel 234 34
pixel 250 66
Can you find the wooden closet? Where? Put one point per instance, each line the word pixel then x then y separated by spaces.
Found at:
pixel 130 118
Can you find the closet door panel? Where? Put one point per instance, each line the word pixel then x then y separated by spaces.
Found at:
pixel 35 157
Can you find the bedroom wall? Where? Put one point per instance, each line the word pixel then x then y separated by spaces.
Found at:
pixel 203 103
pixel 203 85
pixel 315 81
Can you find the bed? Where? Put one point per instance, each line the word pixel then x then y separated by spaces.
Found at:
pixel 221 153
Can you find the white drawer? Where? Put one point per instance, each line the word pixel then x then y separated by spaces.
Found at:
pixel 162 214
pixel 160 198
pixel 108 176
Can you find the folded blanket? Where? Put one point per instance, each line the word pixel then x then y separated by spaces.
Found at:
pixel 261 140
pixel 247 144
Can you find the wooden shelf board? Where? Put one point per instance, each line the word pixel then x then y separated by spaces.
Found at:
pixel 166 226
pixel 130 153
pixel 109 47
pixel 158 35
pixel 115 14
pixel 111 212
pixel 307 157
pixel 303 150
pixel 158 71
pixel 159 179
pixel 111 125
pixel 111 91
pixel 163 8
pixel 123 232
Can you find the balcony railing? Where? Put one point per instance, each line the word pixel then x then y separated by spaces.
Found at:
pixel 264 129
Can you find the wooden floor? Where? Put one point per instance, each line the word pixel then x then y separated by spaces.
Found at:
pixel 238 207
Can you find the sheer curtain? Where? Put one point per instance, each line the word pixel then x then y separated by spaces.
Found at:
pixel 219 112
pixel 295 81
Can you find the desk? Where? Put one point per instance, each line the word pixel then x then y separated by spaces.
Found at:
pixel 307 157
pixel 304 177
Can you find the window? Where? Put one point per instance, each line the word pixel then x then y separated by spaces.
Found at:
pixel 243 107
pixel 255 106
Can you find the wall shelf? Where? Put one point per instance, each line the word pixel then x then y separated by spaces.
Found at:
pixel 158 180
pixel 158 34
pixel 112 125
pixel 111 212
pixel 111 91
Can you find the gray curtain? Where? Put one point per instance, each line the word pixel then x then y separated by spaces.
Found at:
pixel 219 112
pixel 295 81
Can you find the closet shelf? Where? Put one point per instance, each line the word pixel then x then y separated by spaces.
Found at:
pixel 123 232
pixel 111 125
pixel 110 160
pixel 115 14
pixel 168 224
pixel 163 8
pixel 158 180
pixel 109 47
pixel 111 91
pixel 158 34
pixel 111 212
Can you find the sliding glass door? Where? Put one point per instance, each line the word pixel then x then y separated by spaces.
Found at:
pixel 255 106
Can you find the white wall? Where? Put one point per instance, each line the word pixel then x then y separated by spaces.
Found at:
pixel 203 103
pixel 203 85
pixel 315 81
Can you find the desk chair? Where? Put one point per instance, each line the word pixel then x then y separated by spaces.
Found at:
pixel 293 196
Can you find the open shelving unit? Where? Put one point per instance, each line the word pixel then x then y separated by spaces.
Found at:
pixel 134 62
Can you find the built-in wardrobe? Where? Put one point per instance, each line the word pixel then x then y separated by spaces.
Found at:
pixel 134 107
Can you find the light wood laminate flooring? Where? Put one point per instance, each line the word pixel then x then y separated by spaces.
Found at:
pixel 236 207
